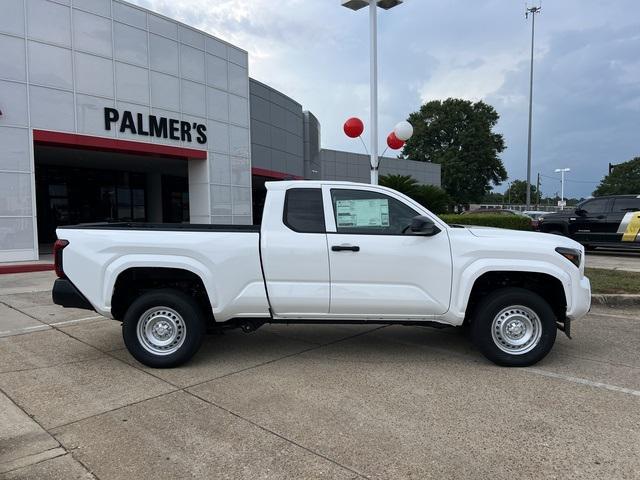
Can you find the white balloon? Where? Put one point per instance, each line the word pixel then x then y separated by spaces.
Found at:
pixel 403 131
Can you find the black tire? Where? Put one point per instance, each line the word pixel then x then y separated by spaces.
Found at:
pixel 164 308
pixel 498 303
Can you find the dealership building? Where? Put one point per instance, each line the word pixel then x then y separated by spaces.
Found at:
pixel 110 112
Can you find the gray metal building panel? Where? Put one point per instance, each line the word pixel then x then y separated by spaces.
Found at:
pixel 276 131
pixel 338 165
pixel 286 140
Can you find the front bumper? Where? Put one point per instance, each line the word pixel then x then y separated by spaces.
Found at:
pixel 581 299
pixel 66 294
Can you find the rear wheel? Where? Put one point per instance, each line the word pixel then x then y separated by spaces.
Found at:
pixel 163 328
pixel 514 327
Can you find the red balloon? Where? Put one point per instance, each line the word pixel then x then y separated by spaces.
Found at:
pixel 394 142
pixel 353 127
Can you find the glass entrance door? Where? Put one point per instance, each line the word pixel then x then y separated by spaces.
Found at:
pixel 175 199
pixel 70 195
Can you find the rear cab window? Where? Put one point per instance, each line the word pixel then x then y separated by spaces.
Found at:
pixel 303 210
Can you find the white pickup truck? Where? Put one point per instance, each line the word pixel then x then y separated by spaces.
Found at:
pixel 326 252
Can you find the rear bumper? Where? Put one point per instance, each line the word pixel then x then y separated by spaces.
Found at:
pixel 66 294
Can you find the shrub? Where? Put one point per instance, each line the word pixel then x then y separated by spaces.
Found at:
pixel 514 222
pixel 400 183
pixel 429 196
pixel 432 197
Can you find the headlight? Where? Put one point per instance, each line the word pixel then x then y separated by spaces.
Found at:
pixel 571 254
pixel 540 219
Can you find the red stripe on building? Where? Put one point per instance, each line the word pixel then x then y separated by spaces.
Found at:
pixel 44 137
pixel 263 172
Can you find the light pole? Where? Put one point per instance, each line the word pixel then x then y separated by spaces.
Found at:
pixel 561 171
pixel 532 11
pixel 373 42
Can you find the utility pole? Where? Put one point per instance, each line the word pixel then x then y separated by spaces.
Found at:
pixel 532 11
pixel 562 171
pixel 538 191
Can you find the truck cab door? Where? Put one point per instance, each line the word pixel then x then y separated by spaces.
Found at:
pixel 589 224
pixel 624 219
pixel 293 249
pixel 379 270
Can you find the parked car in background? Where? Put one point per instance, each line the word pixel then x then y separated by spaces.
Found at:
pixel 535 217
pixel 611 221
pixel 325 252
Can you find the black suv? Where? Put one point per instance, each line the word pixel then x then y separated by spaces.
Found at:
pixel 611 221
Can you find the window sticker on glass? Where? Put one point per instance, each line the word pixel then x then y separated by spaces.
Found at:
pixel 363 213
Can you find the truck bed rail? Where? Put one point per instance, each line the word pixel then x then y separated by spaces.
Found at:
pixel 172 227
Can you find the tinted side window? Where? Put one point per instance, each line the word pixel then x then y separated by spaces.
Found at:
pixel 303 210
pixel 362 211
pixel 626 204
pixel 596 206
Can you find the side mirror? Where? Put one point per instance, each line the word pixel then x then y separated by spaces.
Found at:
pixel 423 226
pixel 580 212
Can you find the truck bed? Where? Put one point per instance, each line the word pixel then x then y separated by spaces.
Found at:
pixel 225 257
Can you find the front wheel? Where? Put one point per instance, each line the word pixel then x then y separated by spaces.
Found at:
pixel 514 327
pixel 163 328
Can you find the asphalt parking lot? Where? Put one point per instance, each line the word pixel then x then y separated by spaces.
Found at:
pixel 310 402
pixel 614 260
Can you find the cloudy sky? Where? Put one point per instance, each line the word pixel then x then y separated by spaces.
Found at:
pixel 587 69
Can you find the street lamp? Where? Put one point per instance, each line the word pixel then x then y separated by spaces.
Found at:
pixel 373 39
pixel 561 171
pixel 533 11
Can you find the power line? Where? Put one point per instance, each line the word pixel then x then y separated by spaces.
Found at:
pixel 570 180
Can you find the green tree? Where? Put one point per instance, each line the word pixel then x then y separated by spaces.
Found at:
pixel 517 192
pixel 493 197
pixel 624 179
pixel 458 134
pixel 402 183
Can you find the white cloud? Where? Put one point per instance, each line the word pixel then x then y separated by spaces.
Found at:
pixel 473 81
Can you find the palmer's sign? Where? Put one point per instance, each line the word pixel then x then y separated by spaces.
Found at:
pixel 153 126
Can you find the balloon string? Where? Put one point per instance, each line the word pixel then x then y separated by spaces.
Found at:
pixel 365 147
pixel 384 151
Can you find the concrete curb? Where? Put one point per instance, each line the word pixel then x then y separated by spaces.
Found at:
pixel 615 299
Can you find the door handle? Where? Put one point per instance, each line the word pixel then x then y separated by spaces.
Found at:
pixel 342 248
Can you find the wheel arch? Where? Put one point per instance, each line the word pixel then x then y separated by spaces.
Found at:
pixel 128 280
pixel 550 282
pixel 547 286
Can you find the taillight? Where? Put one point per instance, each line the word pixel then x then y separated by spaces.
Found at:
pixel 57 256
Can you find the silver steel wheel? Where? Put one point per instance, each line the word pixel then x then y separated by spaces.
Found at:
pixel 516 329
pixel 161 330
